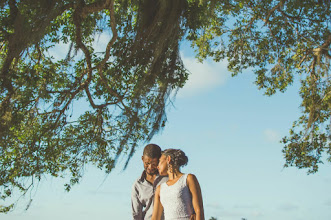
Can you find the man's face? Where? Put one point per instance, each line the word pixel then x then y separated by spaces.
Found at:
pixel 150 165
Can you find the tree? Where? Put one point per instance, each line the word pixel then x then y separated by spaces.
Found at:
pixel 129 85
pixel 280 41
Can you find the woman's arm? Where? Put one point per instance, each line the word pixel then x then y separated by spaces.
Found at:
pixel 195 189
pixel 158 208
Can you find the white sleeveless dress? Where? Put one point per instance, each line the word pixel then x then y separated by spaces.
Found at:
pixel 176 200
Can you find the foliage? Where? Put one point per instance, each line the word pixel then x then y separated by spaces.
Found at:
pixel 280 41
pixel 129 84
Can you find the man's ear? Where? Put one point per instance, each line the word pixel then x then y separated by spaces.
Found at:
pixel 142 157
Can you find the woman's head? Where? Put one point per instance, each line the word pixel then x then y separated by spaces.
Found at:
pixel 172 159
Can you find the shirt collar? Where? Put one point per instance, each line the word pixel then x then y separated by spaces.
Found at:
pixel 143 176
pixel 156 181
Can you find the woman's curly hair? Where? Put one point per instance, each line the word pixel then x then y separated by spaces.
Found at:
pixel 178 157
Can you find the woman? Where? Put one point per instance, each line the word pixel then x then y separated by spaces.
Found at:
pixel 180 197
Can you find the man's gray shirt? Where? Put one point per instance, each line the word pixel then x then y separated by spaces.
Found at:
pixel 142 196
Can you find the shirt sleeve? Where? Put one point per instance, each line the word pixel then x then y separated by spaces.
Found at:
pixel 137 207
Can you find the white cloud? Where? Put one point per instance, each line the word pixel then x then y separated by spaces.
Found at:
pixel 271 135
pixel 101 41
pixel 59 51
pixel 328 202
pixel 256 214
pixel 246 206
pixel 288 207
pixel 204 76
pixel 214 205
pixel 231 214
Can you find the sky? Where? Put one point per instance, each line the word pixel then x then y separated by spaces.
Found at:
pixel 231 134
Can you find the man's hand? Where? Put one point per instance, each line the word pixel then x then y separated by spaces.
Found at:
pixel 192 217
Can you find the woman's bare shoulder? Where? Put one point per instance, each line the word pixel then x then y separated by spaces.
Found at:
pixel 191 178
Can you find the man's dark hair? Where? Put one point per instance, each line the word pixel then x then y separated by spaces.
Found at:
pixel 152 151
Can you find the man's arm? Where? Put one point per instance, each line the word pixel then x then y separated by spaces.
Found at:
pixel 137 207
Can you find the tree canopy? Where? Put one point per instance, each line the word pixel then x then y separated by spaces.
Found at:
pixel 129 85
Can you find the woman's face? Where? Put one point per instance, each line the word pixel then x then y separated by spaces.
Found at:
pixel 163 166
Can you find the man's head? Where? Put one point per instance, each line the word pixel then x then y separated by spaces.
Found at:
pixel 150 158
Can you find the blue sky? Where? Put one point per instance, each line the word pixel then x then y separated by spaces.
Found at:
pixel 230 132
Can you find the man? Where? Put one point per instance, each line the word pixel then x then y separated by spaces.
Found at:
pixel 144 188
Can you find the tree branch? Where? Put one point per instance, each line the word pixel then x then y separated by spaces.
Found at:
pixel 279 5
pixel 89 96
pixel 95 7
pixel 325 47
pixel 114 37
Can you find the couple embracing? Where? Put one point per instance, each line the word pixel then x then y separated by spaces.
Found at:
pixel 163 191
